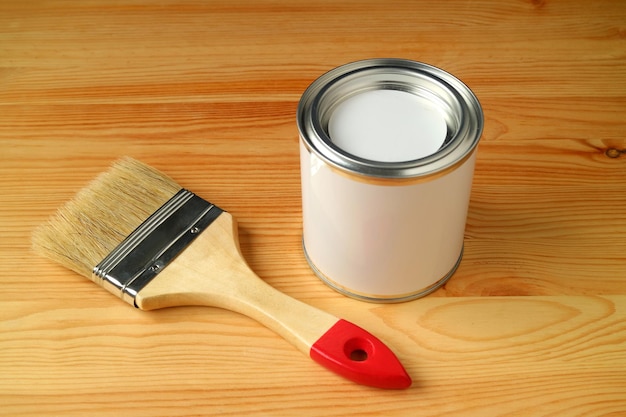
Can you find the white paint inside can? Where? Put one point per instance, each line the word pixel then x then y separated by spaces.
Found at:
pixel 387 126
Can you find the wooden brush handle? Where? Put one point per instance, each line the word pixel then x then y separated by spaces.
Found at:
pixel 212 272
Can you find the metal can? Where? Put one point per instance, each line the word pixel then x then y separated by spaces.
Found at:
pixel 387 152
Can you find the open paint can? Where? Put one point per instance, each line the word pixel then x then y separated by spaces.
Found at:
pixel 387 151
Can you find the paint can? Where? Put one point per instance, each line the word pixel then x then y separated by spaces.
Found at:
pixel 387 152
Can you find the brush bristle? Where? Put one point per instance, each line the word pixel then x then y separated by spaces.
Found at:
pixel 89 227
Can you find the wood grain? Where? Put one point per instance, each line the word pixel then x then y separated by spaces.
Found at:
pixel 532 323
pixel 469 356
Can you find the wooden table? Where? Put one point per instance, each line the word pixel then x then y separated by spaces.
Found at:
pixel 532 324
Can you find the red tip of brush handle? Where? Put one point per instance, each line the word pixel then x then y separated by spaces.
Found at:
pixel 359 356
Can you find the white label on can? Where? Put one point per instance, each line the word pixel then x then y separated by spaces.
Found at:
pixel 387 126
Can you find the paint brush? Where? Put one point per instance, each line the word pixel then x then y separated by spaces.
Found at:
pixel 141 236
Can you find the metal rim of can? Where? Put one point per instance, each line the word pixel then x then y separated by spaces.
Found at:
pixel 460 107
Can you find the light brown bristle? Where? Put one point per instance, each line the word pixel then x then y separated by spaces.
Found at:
pixel 101 215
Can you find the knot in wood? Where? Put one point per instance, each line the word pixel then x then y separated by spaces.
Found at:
pixel 614 153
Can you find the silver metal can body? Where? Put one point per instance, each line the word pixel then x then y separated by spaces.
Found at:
pixel 386 229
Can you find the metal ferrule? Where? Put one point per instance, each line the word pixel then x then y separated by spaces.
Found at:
pixel 154 244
